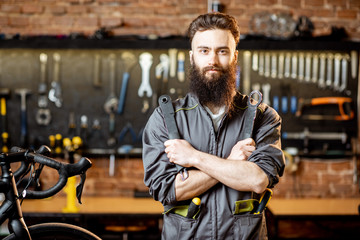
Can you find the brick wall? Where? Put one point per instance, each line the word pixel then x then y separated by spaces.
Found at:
pixel 161 17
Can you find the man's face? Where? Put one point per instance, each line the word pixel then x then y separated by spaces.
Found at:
pixel 213 67
pixel 213 50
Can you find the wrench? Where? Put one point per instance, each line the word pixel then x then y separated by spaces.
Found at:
pixel 111 103
pixel 251 115
pixel 255 61
pixel 162 69
pixel 344 72
pixel 129 60
pixel 43 115
pixel 329 72
pixel 261 63
pixel 315 65
pixel 181 67
pixel 266 90
pixel 307 67
pixel 55 91
pixel 287 65
pixel 301 66
pixel 267 65
pixel 322 70
pixel 273 64
pixel 97 66
pixel 281 65
pixel 337 69
pixel 172 55
pixel 146 60
pixel 294 65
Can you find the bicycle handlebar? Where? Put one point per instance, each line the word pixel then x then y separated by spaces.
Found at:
pixel 65 171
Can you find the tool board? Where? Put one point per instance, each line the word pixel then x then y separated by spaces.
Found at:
pixel 85 73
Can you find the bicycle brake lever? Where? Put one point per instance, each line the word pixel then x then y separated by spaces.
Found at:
pixel 37 174
pixel 80 187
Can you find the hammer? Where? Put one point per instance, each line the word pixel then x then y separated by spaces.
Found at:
pixel 23 92
pixel 4 94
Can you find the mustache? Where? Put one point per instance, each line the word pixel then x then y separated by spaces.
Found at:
pixel 205 69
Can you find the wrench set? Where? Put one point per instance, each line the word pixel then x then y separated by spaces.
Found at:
pixel 104 96
pixel 290 78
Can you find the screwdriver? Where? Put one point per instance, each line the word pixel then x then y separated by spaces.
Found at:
pixel 193 207
pixel 264 200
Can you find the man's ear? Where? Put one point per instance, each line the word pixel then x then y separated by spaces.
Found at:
pixel 191 56
pixel 236 55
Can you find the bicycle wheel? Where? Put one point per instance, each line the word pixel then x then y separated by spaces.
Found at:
pixel 57 231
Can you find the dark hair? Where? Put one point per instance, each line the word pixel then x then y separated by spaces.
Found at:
pixel 211 21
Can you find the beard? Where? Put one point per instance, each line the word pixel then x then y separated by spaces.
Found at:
pixel 217 89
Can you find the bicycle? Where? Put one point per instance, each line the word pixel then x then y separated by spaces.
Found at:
pixel 32 163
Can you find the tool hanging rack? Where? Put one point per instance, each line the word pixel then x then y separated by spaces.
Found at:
pixel 84 80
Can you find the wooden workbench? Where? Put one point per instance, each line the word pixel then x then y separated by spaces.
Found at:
pixel 287 218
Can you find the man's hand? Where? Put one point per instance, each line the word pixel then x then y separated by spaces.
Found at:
pixel 180 152
pixel 242 149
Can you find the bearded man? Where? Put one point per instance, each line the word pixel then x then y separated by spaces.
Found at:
pixel 224 170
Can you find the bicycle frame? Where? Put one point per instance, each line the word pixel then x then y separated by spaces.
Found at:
pixel 10 208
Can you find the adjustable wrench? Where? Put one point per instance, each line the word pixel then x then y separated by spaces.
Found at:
pixel 43 115
pixel 146 60
pixel 55 91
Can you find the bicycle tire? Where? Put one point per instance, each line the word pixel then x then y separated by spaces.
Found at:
pixel 57 231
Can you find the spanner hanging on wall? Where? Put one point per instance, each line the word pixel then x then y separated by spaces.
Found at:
pixel 145 60
pixel 129 60
pixel 162 70
pixel 43 115
pixel 111 103
pixel 55 94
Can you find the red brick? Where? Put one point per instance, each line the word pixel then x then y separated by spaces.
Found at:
pixel 63 21
pixel 40 20
pixel 57 10
pixel 77 9
pixel 354 4
pixel 267 2
pixel 4 21
pixel 291 3
pixel 10 8
pixel 110 21
pixel 32 9
pixel 314 3
pixel 349 14
pixel 19 21
pixel 341 166
pixel 87 22
pixel 337 3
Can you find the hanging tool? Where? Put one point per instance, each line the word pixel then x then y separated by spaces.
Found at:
pixel 294 65
pixel 255 61
pixel 322 70
pixel 344 72
pixel 173 59
pixel 194 207
pixel 146 60
pixel 181 67
pixel 307 135
pixel 307 76
pixel 97 66
pixel 111 103
pixel 274 65
pixel 329 70
pixel 315 66
pixel 4 95
pixel 337 69
pixel 167 108
pixel 162 70
pixel 43 115
pixel 129 61
pixel 281 65
pixel 354 63
pixel 246 72
pixel 55 94
pixel 250 114
pixel 264 201
pixel 267 64
pixel 261 62
pixel 23 92
pixel 266 90
pixel 301 73
pixel 344 105
pixel 287 65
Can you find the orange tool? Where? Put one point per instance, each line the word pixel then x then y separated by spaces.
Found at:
pixel 344 105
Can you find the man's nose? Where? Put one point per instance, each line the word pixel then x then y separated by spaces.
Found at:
pixel 213 59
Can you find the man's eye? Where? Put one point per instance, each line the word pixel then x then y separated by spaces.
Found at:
pixel 223 52
pixel 204 51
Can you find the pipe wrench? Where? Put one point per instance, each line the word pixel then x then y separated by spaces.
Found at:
pixel 162 69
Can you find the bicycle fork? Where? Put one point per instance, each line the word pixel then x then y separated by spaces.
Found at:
pixel 17 224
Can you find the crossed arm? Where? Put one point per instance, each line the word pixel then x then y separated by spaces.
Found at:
pixel 234 171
